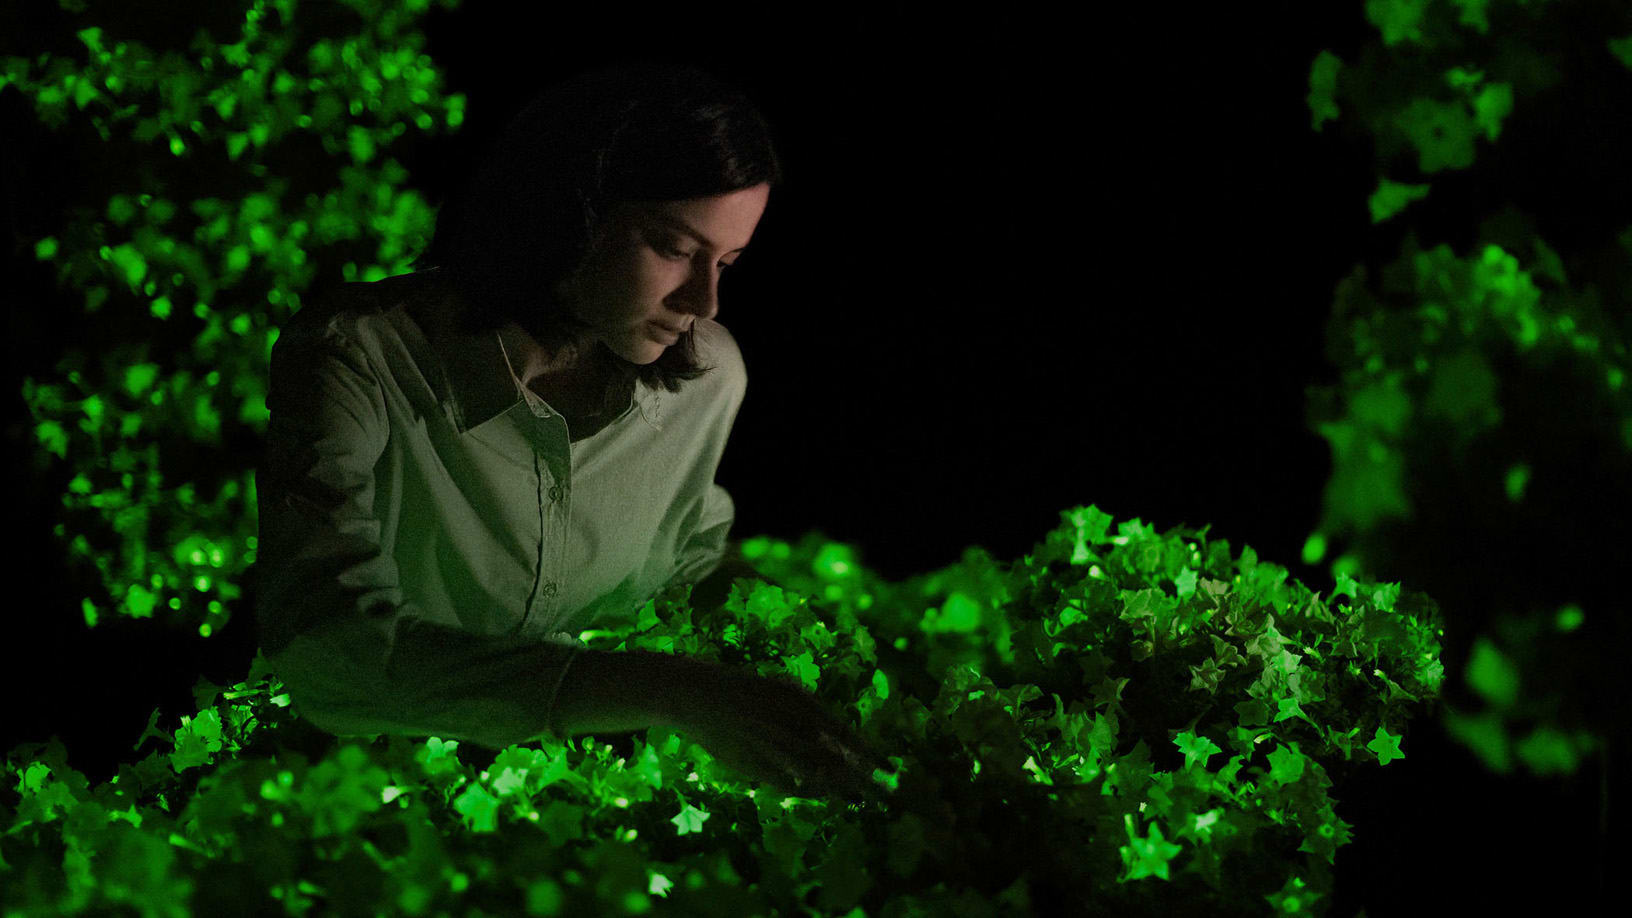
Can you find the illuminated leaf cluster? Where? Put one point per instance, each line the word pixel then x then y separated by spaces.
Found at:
pixel 1195 703
pixel 198 256
pixel 1417 95
pixel 1424 362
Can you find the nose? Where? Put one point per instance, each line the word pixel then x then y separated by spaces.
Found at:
pixel 701 294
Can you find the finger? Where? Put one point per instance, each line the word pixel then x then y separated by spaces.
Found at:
pixel 795 778
pixel 860 790
pixel 846 772
pixel 780 768
pixel 858 755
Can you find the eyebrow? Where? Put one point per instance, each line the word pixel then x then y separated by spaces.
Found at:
pixel 678 224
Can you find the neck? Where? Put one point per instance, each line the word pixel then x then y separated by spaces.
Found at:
pixel 531 363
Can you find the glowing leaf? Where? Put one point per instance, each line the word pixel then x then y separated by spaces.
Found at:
pixel 1205 677
pixel 648 768
pixel 1549 752
pixel 1491 674
pixel 341 789
pixel 1392 197
pixel 478 807
pixel 1463 391
pixel 1321 98
pixel 51 435
pixel 1196 749
pixel 803 667
pixel 1185 583
pixel 960 613
pixel 690 820
pixel 1386 746
pixel 563 822
pixel 544 897
pixel 508 781
pixel 1286 765
pixel 1517 477
pixel 438 756
pixel 1622 49
pixel 1148 855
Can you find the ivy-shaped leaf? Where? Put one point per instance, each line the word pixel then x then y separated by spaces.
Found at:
pixel 438 757
pixel 1286 765
pixel 1196 748
pixel 1386 746
pixel 1149 855
pixel 690 820
pixel 198 738
pixel 803 667
pixel 339 790
pixel 479 808
pixel 563 822
pixel 153 730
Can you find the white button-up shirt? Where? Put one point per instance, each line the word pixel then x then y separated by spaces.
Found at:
pixel 432 542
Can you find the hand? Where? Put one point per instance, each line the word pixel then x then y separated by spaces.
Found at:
pixel 776 732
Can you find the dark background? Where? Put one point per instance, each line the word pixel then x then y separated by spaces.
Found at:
pixel 1020 263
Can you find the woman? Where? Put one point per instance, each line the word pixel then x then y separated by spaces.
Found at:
pixel 414 577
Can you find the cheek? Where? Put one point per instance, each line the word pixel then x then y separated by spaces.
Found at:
pixel 653 283
pixel 617 290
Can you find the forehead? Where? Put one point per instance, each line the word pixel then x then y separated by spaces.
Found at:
pixel 735 207
pixel 726 222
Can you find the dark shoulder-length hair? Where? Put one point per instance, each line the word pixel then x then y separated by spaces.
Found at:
pixel 637 130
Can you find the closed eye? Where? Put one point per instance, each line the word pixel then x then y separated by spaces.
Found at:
pixel 677 255
pixel 669 251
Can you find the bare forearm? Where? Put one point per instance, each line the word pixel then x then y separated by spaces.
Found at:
pixel 614 692
pixel 619 691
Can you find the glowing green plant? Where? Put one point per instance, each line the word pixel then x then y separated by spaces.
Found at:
pixel 196 267
pixel 1425 361
pixel 1125 719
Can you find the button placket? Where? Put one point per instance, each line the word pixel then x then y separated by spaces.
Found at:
pixel 549 590
pixel 538 565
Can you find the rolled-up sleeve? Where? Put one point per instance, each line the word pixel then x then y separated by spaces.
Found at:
pixel 357 656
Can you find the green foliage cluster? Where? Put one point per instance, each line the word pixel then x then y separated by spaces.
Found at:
pixel 1121 720
pixel 1055 722
pixel 195 259
pixel 196 211
pixel 1424 363
pixel 1420 368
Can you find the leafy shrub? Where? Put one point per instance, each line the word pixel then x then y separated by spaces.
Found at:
pixel 1128 722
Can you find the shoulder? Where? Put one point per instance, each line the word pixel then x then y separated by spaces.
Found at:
pixel 350 314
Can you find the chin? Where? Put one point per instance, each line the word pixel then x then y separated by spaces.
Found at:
pixel 645 352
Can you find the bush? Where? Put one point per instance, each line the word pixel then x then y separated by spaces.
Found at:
pixel 1130 722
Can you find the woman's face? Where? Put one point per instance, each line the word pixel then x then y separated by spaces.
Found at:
pixel 656 266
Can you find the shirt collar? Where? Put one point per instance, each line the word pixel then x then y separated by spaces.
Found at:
pixel 479 384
